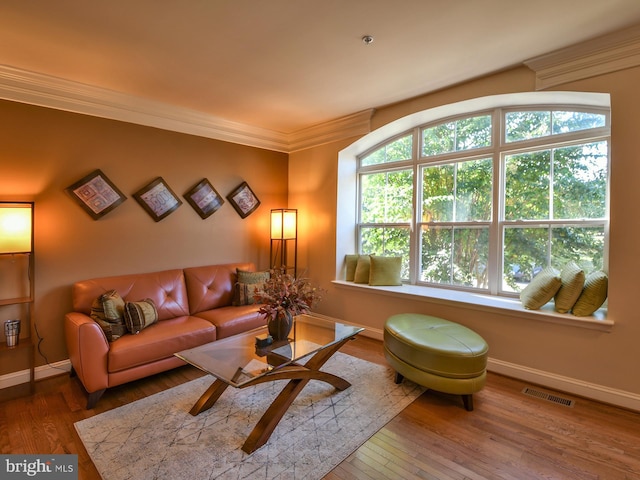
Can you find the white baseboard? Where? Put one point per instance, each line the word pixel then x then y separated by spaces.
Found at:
pixel 600 393
pixel 573 386
pixel 44 371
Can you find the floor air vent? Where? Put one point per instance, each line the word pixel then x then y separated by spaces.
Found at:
pixel 532 392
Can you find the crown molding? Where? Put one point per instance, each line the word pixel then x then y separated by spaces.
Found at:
pixel 601 55
pixel 52 92
pixel 334 130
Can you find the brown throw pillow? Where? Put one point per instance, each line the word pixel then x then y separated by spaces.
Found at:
pixel 139 315
pixel 108 311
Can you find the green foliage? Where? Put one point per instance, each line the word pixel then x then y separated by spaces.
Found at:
pixel 386 196
pixel 535 124
pixel 392 152
pixel 465 134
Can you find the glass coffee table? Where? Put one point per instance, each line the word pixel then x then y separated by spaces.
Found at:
pixel 237 361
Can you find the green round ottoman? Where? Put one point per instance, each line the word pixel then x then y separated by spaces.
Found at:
pixel 437 354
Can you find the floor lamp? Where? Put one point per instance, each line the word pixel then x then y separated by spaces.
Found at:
pixel 16 243
pixel 284 240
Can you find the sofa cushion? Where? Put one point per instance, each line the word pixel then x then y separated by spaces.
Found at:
pixel 232 320
pixel 246 286
pixel 166 288
pixel 108 311
pixel 159 341
pixel 140 315
pixel 212 286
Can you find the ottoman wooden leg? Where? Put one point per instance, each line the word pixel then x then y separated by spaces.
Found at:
pixel 399 378
pixel 468 402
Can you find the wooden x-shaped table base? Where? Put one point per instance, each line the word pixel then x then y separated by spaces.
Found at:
pixel 299 376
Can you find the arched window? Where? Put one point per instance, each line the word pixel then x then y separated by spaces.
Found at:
pixel 482 199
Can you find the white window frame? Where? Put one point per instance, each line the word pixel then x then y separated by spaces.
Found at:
pixel 346 234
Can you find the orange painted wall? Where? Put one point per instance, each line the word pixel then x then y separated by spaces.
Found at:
pixel 43 151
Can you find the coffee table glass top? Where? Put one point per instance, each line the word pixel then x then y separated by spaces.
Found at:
pixel 236 360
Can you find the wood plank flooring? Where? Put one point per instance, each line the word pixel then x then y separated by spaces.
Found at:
pixel 509 435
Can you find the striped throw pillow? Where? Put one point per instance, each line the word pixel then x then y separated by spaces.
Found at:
pixel 572 277
pixel 593 294
pixel 139 315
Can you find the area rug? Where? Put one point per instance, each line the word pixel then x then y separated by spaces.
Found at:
pixel 157 438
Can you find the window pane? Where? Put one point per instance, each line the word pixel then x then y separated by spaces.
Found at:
pixel 387 197
pixel 458 192
pixel 455 256
pixel 527 186
pixel 473 132
pixel 535 124
pixel 465 134
pixel 527 125
pixel 436 263
pixel 525 251
pixel 437 193
pixel 473 191
pixel 525 254
pixel 392 241
pixel 392 152
pixel 579 173
pixel 470 257
pixel 564 122
pixel 583 245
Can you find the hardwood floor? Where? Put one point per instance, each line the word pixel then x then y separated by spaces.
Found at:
pixel 509 435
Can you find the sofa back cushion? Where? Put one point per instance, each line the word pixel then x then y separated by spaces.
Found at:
pixel 212 286
pixel 167 289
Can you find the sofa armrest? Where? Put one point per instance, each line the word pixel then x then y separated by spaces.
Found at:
pixel 88 350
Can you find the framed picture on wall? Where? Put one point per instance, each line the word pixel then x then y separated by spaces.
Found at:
pixel 243 200
pixel 96 194
pixel 204 198
pixel 157 199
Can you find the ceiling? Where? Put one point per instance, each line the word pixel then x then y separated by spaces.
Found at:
pixel 286 65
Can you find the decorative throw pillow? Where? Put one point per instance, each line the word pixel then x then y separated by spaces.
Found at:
pixel 361 274
pixel 352 262
pixel 139 315
pixel 246 286
pixel 541 289
pixel 593 294
pixel 108 311
pixel 385 270
pixel 572 277
pixel 245 276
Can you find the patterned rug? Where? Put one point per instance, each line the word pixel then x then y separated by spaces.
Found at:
pixel 157 438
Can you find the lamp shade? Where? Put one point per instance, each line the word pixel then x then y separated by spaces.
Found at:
pixel 16 227
pixel 284 224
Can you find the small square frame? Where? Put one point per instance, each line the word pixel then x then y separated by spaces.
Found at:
pixel 96 194
pixel 204 199
pixel 243 200
pixel 158 200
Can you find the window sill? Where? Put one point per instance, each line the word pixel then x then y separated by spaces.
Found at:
pixel 475 301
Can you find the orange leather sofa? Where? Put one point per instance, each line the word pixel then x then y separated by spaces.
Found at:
pixel 194 307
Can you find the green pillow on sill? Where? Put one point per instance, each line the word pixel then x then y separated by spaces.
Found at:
pixel 385 271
